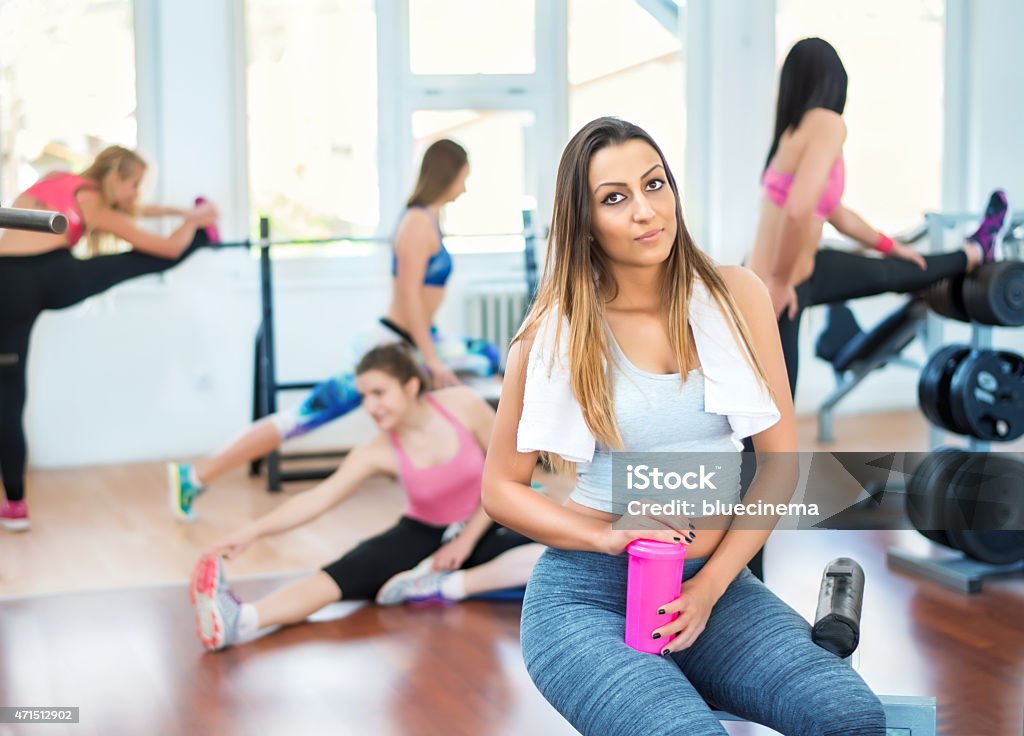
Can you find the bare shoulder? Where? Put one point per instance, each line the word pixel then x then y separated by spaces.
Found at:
pixel 822 121
pixel 416 221
pixel 744 285
pixel 376 457
pixel 456 397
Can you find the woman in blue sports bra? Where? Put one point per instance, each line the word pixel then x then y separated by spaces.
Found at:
pixel 421 266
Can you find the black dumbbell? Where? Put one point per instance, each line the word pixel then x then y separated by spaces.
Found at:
pixel 979 393
pixel 993 294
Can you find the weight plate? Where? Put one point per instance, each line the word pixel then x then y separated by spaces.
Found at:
pixel 933 385
pixel 986 395
pixel 985 508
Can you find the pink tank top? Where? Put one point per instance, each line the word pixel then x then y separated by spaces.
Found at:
pixel 776 188
pixel 57 192
pixel 446 493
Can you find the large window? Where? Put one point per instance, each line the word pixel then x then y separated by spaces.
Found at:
pixel 67 86
pixel 496 188
pixel 471 36
pixel 312 116
pixel 623 62
pixel 894 110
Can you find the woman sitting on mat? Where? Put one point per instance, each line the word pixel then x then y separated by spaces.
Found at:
pixel 421 266
pixel 38 272
pixel 803 187
pixel 443 548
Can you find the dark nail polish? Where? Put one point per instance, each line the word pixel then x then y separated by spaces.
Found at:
pixel 655 636
pixel 692 526
pixel 661 611
pixel 677 539
pixel 664 652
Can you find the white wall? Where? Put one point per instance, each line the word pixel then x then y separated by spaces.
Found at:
pixel 162 367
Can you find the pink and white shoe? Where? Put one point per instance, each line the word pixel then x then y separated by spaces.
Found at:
pixel 14 516
pixel 216 605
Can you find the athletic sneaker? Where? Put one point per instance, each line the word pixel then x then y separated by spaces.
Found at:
pixel 217 607
pixel 996 222
pixel 14 515
pixel 419 585
pixel 183 492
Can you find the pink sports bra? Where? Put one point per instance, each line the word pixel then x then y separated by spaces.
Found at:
pixel 57 192
pixel 776 187
pixel 446 493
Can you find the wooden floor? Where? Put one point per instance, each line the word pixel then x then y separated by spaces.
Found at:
pixel 95 614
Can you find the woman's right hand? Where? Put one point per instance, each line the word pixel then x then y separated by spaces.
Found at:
pixel 232 545
pixel 614 541
pixel 203 215
pixel 441 375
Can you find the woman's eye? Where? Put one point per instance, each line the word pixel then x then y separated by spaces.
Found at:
pixel 613 198
pixel 654 185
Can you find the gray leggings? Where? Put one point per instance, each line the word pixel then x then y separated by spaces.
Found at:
pixel 755 658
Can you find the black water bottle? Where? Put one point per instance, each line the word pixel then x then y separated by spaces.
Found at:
pixel 837 621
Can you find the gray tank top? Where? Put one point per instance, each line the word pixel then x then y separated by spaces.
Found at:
pixel 656 413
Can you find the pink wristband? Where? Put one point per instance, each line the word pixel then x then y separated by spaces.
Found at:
pixel 884 244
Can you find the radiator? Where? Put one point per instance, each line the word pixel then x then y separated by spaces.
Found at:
pixel 495 314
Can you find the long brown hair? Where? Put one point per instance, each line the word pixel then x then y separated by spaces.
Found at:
pixel 111 160
pixel 396 360
pixel 442 162
pixel 577 281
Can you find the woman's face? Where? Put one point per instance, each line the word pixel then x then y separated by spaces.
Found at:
pixel 385 398
pixel 126 189
pixel 634 208
pixel 457 187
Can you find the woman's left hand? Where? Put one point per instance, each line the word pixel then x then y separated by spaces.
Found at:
pixel 694 607
pixel 901 250
pixel 451 555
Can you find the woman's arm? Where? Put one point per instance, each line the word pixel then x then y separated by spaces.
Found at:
pixel 509 499
pixel 415 242
pixel 852 225
pixel 158 210
pixel 776 446
pixel 825 135
pixel 100 217
pixel 122 226
pixel 777 472
pixel 361 464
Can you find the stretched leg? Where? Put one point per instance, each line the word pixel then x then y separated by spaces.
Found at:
pixel 78 280
pixel 839 275
pixel 223 620
pixel 756 659
pixel 509 569
pixel 296 602
pixel 329 400
pixel 501 559
pixel 257 441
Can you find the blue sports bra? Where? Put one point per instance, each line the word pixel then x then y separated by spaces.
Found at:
pixel 439 267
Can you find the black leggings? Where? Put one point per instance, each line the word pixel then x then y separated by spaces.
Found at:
pixel 29 285
pixel 363 570
pixel 840 275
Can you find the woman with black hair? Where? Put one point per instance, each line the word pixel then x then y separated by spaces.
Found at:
pixel 803 187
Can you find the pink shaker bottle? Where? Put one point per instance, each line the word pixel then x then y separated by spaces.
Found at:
pixel 655 576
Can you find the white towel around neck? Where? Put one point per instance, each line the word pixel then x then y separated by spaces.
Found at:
pixel 552 420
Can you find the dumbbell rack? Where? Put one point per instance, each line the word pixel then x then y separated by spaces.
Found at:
pixel 957 572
